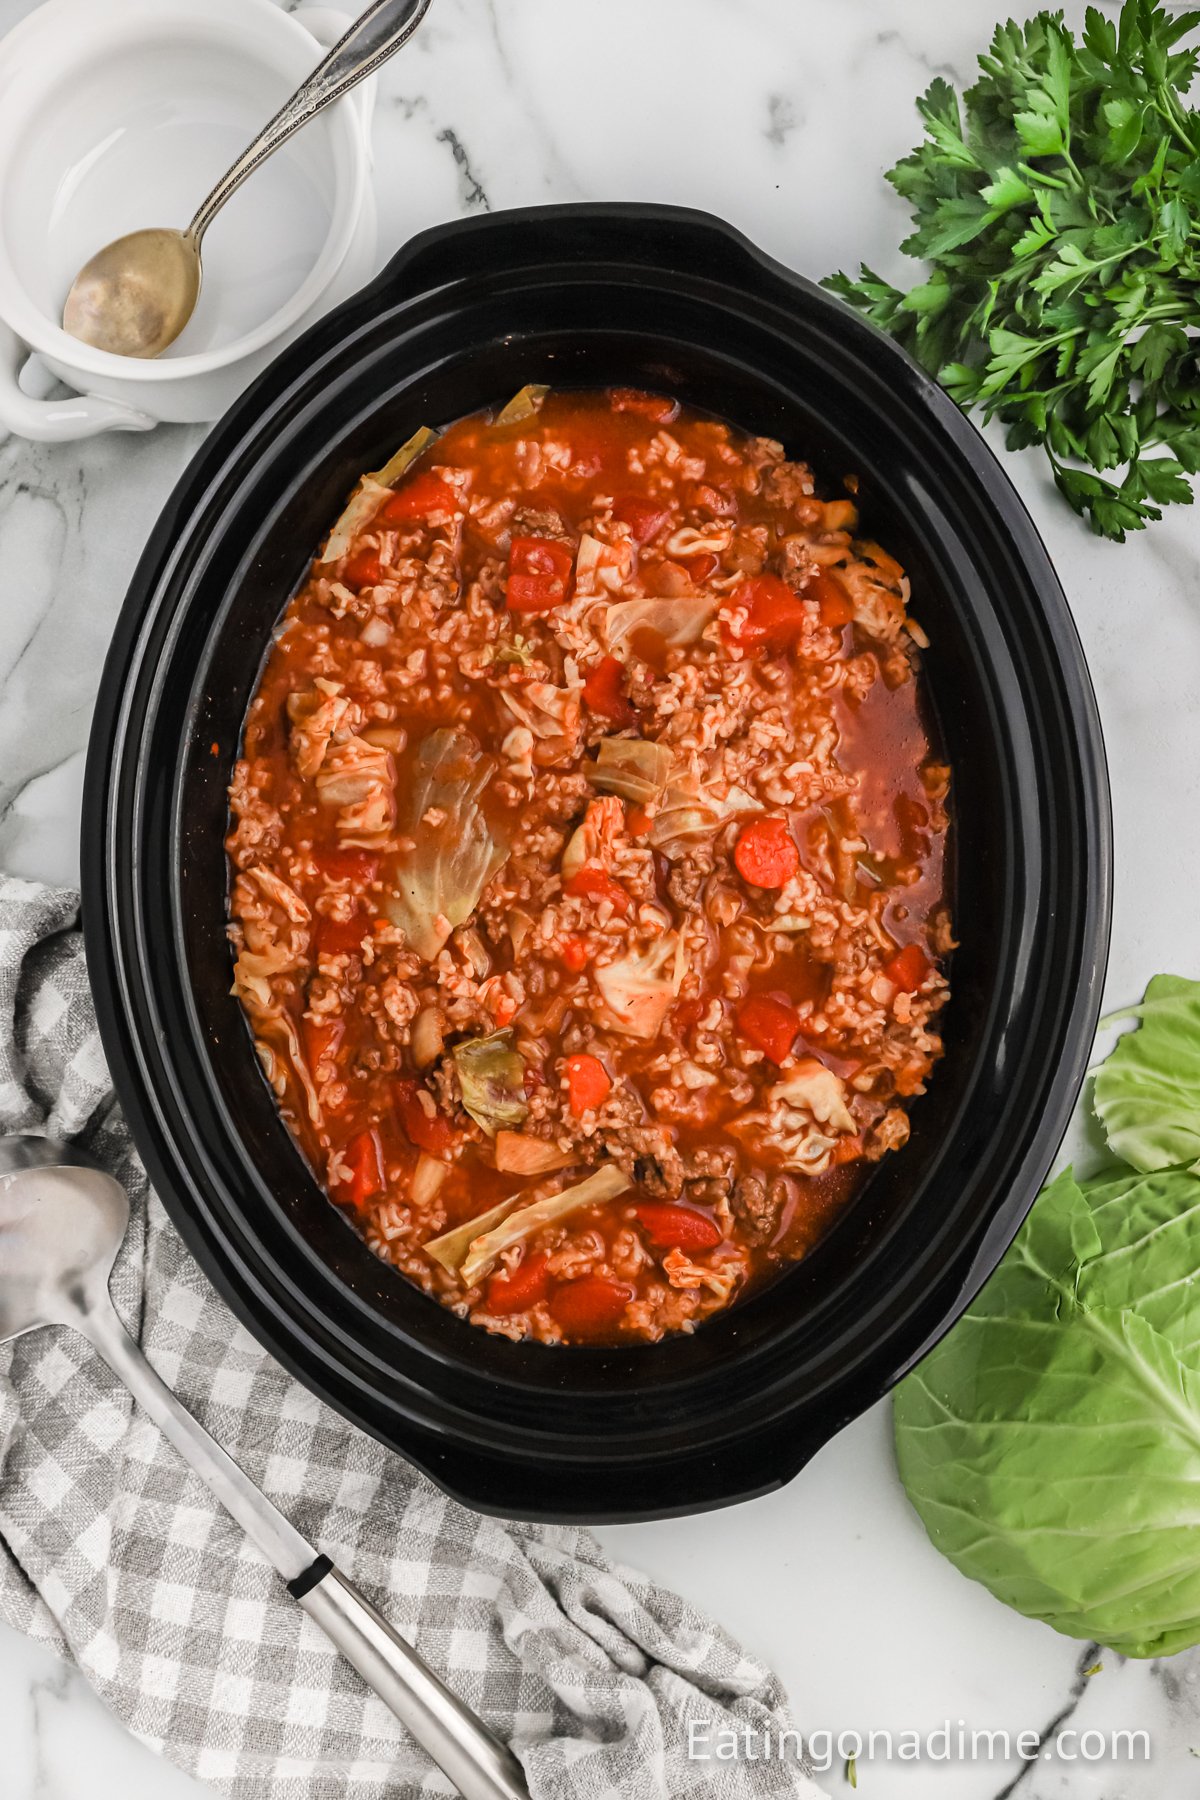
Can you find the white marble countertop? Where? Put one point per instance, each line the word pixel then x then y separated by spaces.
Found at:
pixel 832 1579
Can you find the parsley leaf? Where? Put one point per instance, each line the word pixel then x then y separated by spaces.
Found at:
pixel 1058 204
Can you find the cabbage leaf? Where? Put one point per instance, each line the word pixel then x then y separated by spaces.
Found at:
pixel 450 1248
pixel 1147 1093
pixel 1051 1442
pixel 524 404
pixel 439 881
pixel 677 622
pixel 491 1077
pixel 470 1250
pixel 692 808
pixel 370 495
pixel 635 768
pixel 402 461
pixel 519 1226
pixel 638 988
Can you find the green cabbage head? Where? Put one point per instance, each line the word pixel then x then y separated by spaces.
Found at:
pixel 1051 1443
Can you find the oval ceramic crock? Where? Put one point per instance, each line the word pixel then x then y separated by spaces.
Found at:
pixel 586 296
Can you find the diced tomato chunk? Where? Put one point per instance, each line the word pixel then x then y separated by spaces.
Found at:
pixel 588 1083
pixel 643 517
pixel 637 820
pixel 340 937
pixel 846 1150
pixel 673 1227
pixel 832 600
pixel 594 884
pixel 431 1131
pixel 519 1290
pixel 593 1304
pixel 359 866
pixel 539 571
pixel 322 1041
pixel 363 570
pixel 769 1022
pixel 422 496
pixel 656 407
pixel 575 955
pixel 908 968
pixel 363 1157
pixel 766 853
pixel 686 1013
pixel 701 566
pixel 762 613
pixel 602 691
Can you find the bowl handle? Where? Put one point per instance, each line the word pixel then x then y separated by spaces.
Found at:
pixel 56 421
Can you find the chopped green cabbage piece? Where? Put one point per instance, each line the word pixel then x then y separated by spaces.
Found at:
pixel 491 1076
pixel 454 855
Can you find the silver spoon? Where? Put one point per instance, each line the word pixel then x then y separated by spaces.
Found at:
pixel 135 296
pixel 62 1221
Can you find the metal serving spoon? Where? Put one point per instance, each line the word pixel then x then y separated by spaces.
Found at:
pixel 62 1221
pixel 136 295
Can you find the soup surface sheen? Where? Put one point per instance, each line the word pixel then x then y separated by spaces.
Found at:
pixel 588 865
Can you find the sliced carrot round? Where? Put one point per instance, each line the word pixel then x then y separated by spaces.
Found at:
pixel 765 853
pixel 363 1157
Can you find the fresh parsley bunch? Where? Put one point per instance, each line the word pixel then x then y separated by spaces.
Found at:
pixel 1059 207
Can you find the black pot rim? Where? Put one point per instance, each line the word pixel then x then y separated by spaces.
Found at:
pixel 488 1462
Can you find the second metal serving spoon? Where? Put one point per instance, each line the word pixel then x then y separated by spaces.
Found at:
pixel 135 296
pixel 61 1224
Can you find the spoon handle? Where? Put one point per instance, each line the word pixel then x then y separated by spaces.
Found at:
pixel 479 1765
pixel 373 37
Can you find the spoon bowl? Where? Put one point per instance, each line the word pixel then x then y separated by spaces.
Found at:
pixel 134 297
pixel 61 1225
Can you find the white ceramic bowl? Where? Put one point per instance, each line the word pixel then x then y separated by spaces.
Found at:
pixel 124 114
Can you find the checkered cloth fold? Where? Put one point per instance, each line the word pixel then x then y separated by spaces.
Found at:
pixel 114 1553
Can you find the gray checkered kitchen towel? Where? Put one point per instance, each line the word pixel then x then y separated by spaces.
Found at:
pixel 116 1555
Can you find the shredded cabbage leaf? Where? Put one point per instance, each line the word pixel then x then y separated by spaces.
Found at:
pixel 454 855
pixel 692 808
pixel 405 457
pixel 601 569
pixel 595 839
pixel 452 1246
pixel 632 767
pixel 677 622
pixel 370 495
pixel 365 502
pixel 520 1153
pixel 524 404
pixel 638 989
pixel 491 1076
pixel 518 1227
